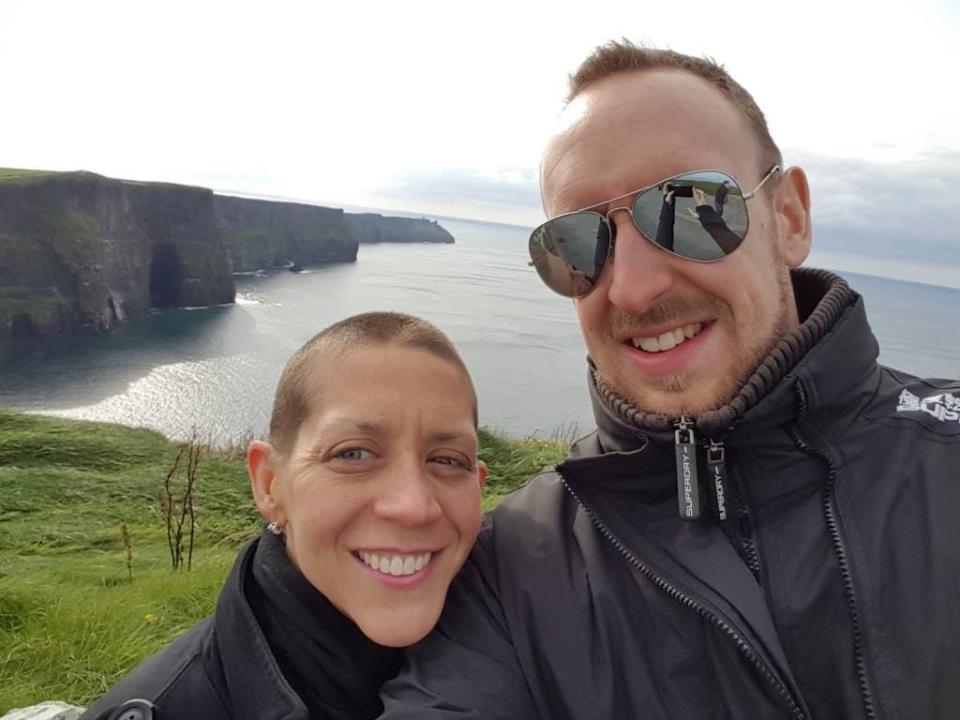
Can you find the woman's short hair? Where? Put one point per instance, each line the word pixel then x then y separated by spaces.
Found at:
pixel 291 404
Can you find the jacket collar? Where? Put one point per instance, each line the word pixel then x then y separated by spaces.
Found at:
pixel 267 597
pixel 833 350
pixel 254 681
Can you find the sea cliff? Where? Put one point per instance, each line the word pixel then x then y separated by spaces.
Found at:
pixel 82 253
pixel 373 228
pixel 264 234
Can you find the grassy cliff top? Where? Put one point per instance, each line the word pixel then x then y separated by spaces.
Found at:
pixel 74 617
pixel 14 174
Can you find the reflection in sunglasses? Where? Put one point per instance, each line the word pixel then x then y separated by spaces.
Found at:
pixel 570 251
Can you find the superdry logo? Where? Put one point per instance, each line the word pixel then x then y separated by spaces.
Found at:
pixel 943 406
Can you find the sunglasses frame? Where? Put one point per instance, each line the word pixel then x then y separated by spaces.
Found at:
pixel 611 228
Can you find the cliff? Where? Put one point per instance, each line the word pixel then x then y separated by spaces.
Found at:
pixel 373 228
pixel 265 234
pixel 80 252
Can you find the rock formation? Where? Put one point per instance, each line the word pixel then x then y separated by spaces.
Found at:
pixel 373 228
pixel 80 252
pixel 264 234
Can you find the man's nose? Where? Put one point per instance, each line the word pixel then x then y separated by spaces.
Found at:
pixel 407 496
pixel 641 273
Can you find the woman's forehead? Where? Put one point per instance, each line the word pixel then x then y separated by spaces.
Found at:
pixel 378 388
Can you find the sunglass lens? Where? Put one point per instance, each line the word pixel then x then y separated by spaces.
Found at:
pixel 698 216
pixel 569 252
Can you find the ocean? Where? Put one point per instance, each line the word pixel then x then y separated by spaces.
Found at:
pixel 215 369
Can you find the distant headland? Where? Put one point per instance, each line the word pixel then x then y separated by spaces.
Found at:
pixel 82 253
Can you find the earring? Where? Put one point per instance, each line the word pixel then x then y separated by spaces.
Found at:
pixel 274 528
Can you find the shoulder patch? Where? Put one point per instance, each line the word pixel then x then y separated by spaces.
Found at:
pixel 942 406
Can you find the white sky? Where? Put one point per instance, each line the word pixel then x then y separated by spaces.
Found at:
pixel 390 103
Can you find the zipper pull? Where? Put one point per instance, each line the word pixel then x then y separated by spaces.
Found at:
pixel 688 483
pixel 717 469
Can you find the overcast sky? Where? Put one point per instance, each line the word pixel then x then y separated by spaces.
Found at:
pixel 443 107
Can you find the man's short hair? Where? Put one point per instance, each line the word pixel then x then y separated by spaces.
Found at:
pixel 619 56
pixel 291 404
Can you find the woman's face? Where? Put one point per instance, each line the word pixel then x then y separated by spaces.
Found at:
pixel 379 496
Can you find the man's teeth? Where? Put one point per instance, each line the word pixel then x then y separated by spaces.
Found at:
pixel 395 564
pixel 668 340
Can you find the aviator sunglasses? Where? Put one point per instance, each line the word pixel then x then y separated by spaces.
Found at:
pixel 700 216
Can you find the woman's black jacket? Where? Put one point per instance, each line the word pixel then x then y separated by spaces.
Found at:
pixel 226 668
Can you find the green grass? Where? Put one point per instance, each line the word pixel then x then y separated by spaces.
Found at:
pixel 20 173
pixel 71 620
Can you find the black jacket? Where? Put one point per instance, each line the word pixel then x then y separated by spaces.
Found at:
pixel 830 588
pixel 274 649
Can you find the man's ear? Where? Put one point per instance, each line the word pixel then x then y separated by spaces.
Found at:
pixel 482 472
pixel 791 205
pixel 261 458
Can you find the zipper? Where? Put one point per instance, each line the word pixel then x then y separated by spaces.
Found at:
pixel 739 642
pixel 688 481
pixel 717 472
pixel 718 475
pixel 839 548
pixel 745 524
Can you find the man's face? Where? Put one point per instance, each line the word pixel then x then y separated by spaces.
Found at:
pixel 713 322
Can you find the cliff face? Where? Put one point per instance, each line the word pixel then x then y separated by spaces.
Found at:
pixel 265 234
pixel 80 252
pixel 373 228
pixel 83 253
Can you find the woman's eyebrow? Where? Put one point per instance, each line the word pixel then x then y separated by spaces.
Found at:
pixel 447 436
pixel 366 427
pixel 342 424
pixel 345 422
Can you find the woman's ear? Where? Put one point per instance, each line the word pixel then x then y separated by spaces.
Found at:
pixel 791 203
pixel 261 458
pixel 482 472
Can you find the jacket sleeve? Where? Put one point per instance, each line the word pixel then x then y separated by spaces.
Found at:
pixel 467 667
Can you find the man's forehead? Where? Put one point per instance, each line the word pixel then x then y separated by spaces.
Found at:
pixel 635 129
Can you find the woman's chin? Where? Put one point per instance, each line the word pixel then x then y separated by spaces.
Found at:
pixel 398 629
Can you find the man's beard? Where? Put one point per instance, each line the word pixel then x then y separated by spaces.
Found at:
pixel 680 311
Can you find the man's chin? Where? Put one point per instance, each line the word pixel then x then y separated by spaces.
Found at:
pixel 674 396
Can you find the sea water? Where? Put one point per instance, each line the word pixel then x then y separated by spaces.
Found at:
pixel 216 368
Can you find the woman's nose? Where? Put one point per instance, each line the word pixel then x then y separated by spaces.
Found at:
pixel 406 496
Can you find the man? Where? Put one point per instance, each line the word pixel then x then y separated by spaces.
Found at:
pixel 720 199
pixel 764 524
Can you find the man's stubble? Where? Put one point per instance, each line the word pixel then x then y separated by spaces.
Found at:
pixel 678 311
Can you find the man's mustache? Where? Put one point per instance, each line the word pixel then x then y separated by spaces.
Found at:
pixel 675 310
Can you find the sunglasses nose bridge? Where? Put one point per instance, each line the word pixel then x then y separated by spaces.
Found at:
pixel 611 219
pixel 622 208
pixel 612 224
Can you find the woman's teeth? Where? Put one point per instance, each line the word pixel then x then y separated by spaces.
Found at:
pixel 395 564
pixel 668 340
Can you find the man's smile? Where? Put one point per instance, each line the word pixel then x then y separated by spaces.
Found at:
pixel 667 340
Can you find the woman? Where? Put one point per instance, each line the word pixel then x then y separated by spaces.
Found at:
pixel 370 485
